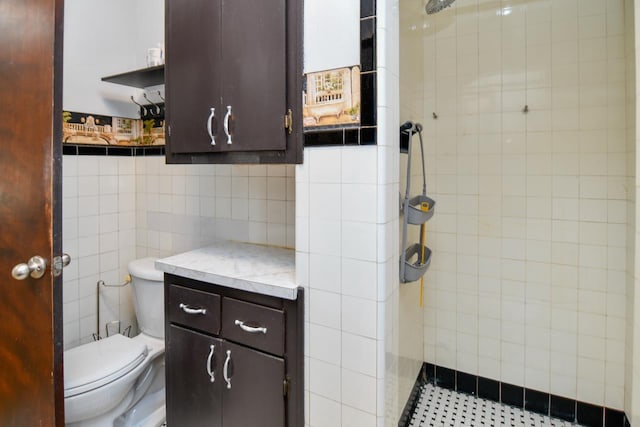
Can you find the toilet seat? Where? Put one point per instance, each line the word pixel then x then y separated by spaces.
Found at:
pixel 95 364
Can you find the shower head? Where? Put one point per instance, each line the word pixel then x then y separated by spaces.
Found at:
pixel 435 6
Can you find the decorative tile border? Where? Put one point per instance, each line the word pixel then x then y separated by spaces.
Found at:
pixel 100 150
pixel 79 128
pixel 531 400
pixel 367 132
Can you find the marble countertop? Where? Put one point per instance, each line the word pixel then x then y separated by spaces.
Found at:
pixel 265 270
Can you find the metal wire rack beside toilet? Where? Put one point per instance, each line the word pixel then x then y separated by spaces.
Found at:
pixel 414 259
pixel 111 327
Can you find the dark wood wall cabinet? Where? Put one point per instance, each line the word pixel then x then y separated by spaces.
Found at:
pixel 233 81
pixel 233 358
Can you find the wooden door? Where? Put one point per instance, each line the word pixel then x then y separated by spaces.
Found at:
pixel 193 399
pixel 191 75
pixel 254 63
pixel 31 346
pixel 256 396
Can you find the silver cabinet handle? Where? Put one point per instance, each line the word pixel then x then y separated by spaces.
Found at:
pixel 35 267
pixel 210 126
pixel 191 310
pixel 210 371
pixel 251 329
pixel 225 370
pixel 226 125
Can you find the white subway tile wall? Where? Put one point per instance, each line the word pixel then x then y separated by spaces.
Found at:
pixel 117 209
pixel 528 279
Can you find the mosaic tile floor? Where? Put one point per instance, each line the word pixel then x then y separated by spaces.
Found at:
pixel 439 407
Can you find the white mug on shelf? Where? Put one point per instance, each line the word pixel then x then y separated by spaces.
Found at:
pixel 154 57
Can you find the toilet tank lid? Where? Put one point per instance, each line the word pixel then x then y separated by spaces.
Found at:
pixel 145 269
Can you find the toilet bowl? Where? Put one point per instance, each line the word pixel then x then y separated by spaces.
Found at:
pixel 119 381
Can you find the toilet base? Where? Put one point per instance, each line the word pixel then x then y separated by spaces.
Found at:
pixel 149 412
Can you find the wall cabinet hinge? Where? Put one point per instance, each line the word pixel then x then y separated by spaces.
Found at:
pixel 285 387
pixel 288 121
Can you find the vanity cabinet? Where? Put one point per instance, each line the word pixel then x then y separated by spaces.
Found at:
pixel 233 81
pixel 233 358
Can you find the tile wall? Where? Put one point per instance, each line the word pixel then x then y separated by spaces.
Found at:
pixel 117 209
pixel 407 334
pixel 528 279
pixel 339 261
pixel 99 233
pixel 632 395
pixel 181 207
pixel 347 257
pixel 632 405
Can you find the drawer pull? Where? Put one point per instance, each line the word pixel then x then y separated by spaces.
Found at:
pixel 225 370
pixel 251 329
pixel 191 310
pixel 210 371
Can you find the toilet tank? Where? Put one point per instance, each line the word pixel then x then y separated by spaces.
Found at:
pixel 148 296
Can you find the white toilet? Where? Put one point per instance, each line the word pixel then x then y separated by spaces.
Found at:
pixel 119 381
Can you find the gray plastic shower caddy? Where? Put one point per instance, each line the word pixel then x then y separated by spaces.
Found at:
pixel 411 266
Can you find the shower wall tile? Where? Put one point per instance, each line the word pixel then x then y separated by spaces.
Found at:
pixel 526 126
pixel 631 397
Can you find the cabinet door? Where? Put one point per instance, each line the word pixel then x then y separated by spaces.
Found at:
pixel 193 400
pixel 255 397
pixel 192 74
pixel 255 75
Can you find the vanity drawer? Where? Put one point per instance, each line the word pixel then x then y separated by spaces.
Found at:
pixel 254 325
pixel 194 309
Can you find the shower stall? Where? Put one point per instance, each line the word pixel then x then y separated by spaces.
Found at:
pixel 528 114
